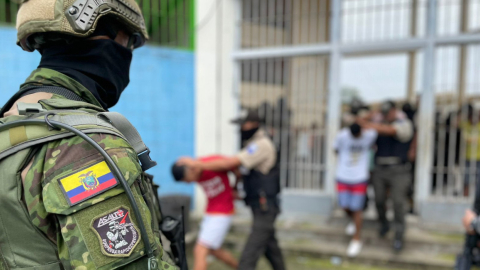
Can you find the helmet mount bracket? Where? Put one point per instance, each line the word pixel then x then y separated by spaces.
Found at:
pixel 82 14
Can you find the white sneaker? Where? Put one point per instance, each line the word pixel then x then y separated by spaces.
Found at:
pixel 354 248
pixel 350 229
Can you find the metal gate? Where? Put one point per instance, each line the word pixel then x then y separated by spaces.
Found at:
pixel 289 92
pixel 456 133
pixel 290 95
pixel 289 57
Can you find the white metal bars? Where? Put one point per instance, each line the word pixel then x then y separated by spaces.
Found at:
pixel 289 92
pixel 290 95
pixel 432 31
pixel 273 23
pixel 456 132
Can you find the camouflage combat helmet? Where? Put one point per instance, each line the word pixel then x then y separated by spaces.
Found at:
pixel 75 18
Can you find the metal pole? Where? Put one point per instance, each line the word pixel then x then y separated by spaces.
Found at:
pixel 365 48
pixel 462 74
pixel 412 55
pixel 427 109
pixel 333 117
pixel 237 64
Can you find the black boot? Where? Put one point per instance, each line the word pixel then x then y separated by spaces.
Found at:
pixel 384 228
pixel 398 242
pixel 464 259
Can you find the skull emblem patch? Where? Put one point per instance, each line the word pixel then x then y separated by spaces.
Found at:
pixel 117 234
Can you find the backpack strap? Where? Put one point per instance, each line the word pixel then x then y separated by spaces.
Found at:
pixel 52 90
pixel 22 137
pixel 114 123
pixel 119 122
pixel 40 88
pixel 133 137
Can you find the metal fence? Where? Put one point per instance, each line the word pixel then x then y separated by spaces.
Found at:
pixel 376 21
pixel 456 133
pixel 290 94
pixel 268 23
pixel 290 56
pixel 169 22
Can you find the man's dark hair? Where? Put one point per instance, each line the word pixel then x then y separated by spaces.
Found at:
pixel 178 172
pixel 355 129
pixel 387 106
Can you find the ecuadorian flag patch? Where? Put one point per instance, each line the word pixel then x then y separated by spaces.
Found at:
pixel 87 183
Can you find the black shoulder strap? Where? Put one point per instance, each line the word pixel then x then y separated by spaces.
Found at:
pixel 40 88
pixel 68 94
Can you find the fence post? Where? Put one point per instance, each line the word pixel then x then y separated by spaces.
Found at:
pixel 236 83
pixel 334 99
pixel 426 111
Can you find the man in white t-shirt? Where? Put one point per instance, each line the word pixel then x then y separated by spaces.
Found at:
pixel 353 148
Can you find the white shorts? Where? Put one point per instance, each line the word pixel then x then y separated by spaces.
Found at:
pixel 213 230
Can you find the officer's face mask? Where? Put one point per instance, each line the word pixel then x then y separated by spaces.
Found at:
pixel 248 134
pixel 104 61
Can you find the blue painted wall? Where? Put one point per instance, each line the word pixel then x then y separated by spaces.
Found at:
pixel 159 100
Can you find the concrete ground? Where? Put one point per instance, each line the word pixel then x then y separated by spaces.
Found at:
pixel 320 244
pixel 299 262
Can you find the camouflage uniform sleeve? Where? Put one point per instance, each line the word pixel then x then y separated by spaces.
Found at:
pixel 92 226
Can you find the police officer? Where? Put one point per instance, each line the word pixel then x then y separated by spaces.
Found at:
pixel 260 172
pixel 59 197
pixel 395 132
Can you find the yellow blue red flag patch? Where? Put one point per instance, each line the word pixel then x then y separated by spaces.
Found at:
pixel 87 183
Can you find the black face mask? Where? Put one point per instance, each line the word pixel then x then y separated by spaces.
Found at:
pixel 247 134
pixel 102 66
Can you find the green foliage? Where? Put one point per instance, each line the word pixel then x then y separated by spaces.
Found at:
pixel 8 11
pixel 170 22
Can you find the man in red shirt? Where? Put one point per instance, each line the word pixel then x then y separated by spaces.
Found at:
pixel 218 216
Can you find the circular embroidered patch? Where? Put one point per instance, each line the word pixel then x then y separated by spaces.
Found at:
pixel 117 233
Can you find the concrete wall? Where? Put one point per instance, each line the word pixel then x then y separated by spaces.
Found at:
pixel 216 98
pixel 159 100
pixel 15 65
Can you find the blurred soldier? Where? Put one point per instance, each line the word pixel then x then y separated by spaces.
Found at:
pixel 395 131
pixel 471 221
pixel 261 179
pixel 58 194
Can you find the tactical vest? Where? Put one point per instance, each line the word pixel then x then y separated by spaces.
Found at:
pixel 391 151
pixel 257 184
pixel 22 244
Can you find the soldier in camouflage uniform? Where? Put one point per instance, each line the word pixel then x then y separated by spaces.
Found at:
pixel 62 208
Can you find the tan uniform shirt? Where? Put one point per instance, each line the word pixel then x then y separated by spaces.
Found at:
pixel 403 126
pixel 259 153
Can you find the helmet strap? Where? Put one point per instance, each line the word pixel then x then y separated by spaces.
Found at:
pixel 131 41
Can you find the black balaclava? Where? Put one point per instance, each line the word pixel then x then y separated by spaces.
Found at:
pixel 248 134
pixel 102 66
